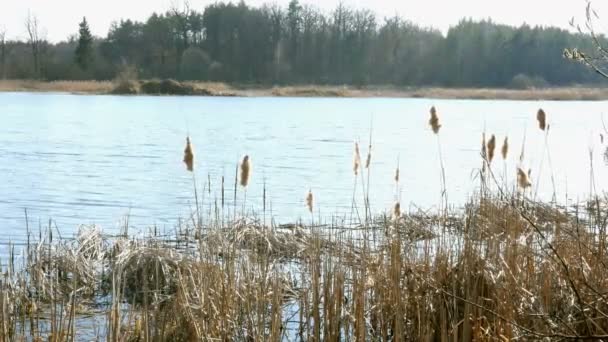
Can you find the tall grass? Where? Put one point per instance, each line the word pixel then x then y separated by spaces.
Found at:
pixel 507 268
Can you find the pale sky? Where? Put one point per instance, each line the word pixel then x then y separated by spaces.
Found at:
pixel 60 17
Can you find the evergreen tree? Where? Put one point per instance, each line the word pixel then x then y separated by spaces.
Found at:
pixel 84 51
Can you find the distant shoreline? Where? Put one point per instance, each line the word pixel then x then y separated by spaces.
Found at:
pixel 582 93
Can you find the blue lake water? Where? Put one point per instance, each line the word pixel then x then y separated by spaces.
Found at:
pixel 80 159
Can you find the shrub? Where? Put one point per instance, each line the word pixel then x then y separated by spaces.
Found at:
pixel 523 81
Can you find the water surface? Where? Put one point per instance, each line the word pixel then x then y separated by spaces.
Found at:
pixel 96 159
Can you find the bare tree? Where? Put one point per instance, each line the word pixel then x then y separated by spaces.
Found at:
pixel 35 41
pixel 2 53
pixel 597 60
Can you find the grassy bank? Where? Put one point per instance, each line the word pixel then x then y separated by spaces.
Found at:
pixel 222 89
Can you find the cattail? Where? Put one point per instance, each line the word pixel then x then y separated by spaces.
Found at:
pixel 356 160
pixel 245 171
pixel 601 138
pixel 505 148
pixel 491 148
pixel 541 117
pixel 189 156
pixel 484 150
pixel 434 121
pixel 523 179
pixel 369 157
pixel 397 175
pixel 397 210
pixel 309 200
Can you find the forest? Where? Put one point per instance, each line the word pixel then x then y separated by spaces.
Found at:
pixel 300 44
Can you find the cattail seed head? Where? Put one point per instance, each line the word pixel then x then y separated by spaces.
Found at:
pixel 523 179
pixel 189 156
pixel 356 159
pixel 309 201
pixel 505 148
pixel 491 148
pixel 541 117
pixel 397 210
pixel 397 175
pixel 434 121
pixel 245 171
pixel 368 160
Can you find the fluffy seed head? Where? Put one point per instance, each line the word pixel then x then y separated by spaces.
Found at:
pixel 397 210
pixel 356 159
pixel 484 148
pixel 189 156
pixel 245 171
pixel 541 117
pixel 505 148
pixel 523 179
pixel 309 200
pixel 368 160
pixel 491 148
pixel 434 121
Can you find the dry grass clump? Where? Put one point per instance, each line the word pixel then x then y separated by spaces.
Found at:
pixel 310 91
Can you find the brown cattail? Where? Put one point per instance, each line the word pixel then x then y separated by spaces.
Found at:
pixel 523 179
pixel 368 160
pixel 245 171
pixel 491 148
pixel 189 156
pixel 505 148
pixel 434 121
pixel 484 148
pixel 309 200
pixel 541 117
pixel 397 175
pixel 356 159
pixel 601 138
pixel 397 210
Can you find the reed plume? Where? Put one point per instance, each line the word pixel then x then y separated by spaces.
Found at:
pixel 368 160
pixel 245 171
pixel 189 156
pixel 491 148
pixel 505 148
pixel 397 210
pixel 309 201
pixel 541 117
pixel 523 178
pixel 484 147
pixel 434 121
pixel 356 159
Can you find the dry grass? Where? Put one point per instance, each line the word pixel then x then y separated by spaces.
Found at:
pixel 222 89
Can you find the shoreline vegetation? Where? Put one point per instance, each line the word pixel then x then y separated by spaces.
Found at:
pixel 196 88
pixel 504 267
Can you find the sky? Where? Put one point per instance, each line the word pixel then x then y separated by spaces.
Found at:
pixel 60 18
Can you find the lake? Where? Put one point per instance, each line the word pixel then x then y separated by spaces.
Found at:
pixel 80 159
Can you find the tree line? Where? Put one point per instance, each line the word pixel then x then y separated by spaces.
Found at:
pixel 300 44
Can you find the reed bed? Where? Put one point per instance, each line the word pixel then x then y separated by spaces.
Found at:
pixel 504 267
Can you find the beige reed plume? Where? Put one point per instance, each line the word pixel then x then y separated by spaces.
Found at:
pixel 434 121
pixel 309 201
pixel 541 117
pixel 491 148
pixel 523 179
pixel 245 171
pixel 505 148
pixel 356 159
pixel 189 156
pixel 397 210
